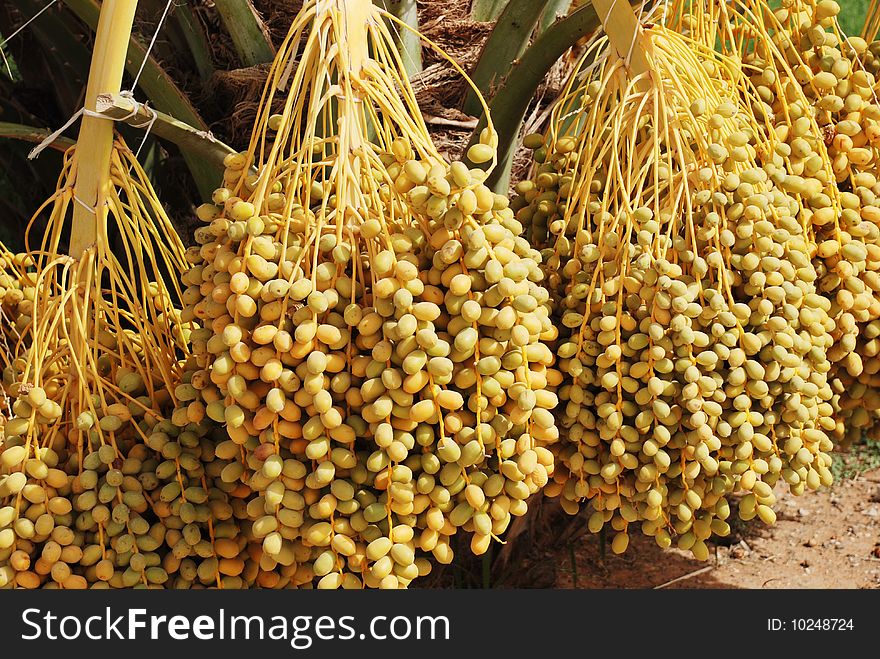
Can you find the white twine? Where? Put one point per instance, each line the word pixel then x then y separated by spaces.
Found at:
pixel 85 112
pixel 128 94
pixel 85 205
pixel 632 46
pixel 398 32
pixel 19 29
pixel 26 23
pixel 152 43
pixel 37 150
pixel 148 124
pixel 608 15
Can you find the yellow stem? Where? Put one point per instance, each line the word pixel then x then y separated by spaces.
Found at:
pixel 355 20
pixel 356 15
pixel 626 35
pixel 95 142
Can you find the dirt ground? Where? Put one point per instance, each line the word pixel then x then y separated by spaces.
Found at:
pixel 827 539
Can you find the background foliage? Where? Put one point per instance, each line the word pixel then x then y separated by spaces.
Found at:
pixel 210 76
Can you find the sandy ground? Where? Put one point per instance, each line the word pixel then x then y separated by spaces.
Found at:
pixel 828 539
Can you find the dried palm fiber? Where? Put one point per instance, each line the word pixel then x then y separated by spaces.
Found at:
pixel 692 337
pixel 811 84
pixel 373 323
pixel 100 360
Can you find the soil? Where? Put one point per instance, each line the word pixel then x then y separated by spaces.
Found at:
pixel 826 539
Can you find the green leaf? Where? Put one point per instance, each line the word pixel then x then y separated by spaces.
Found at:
pixel 555 10
pixel 63 53
pixel 249 34
pixel 196 40
pixel 507 42
pixel 852 15
pixel 511 101
pixel 409 45
pixel 486 11
pixel 32 134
